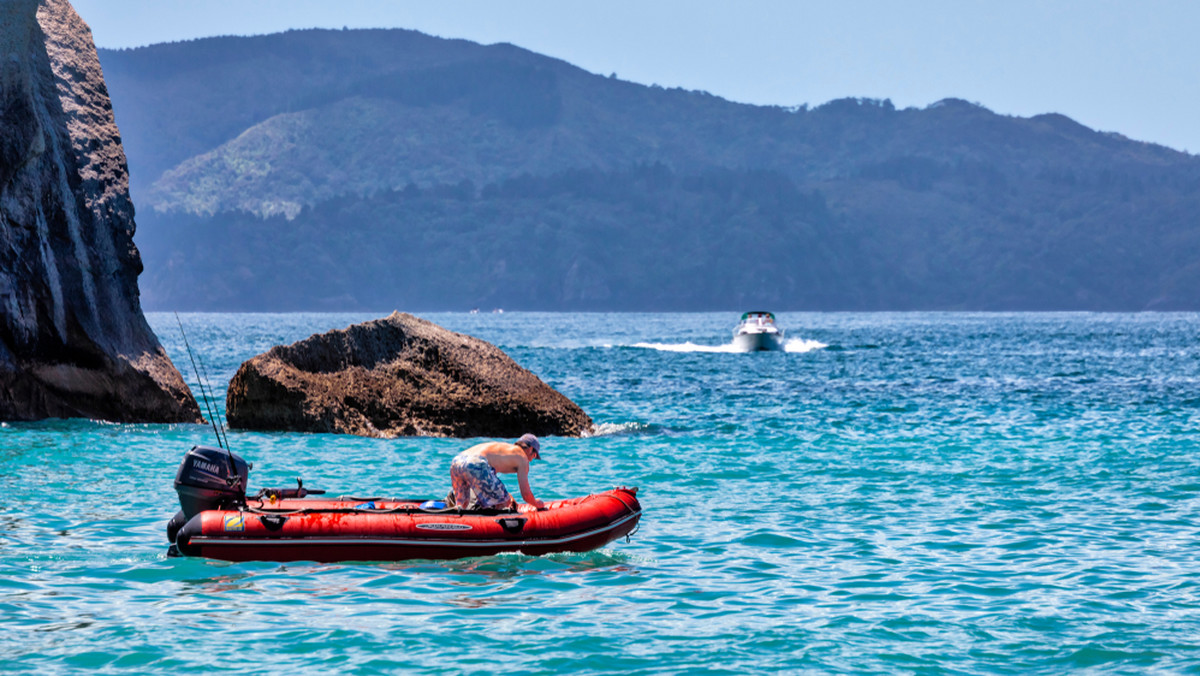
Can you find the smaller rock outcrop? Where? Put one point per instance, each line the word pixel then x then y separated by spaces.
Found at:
pixel 397 376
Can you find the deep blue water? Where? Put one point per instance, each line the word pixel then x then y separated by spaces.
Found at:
pixel 930 493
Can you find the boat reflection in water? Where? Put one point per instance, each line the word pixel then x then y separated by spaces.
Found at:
pixel 757 332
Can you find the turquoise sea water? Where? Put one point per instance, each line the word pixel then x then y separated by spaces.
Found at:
pixel 926 493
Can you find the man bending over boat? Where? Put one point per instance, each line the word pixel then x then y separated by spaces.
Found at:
pixel 474 471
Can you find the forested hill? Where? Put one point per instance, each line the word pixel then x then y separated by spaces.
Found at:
pixel 380 169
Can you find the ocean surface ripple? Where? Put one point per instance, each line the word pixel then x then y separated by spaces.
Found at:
pixel 921 492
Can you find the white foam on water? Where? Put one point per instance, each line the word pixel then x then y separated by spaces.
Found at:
pixel 615 429
pixel 798 345
pixel 795 345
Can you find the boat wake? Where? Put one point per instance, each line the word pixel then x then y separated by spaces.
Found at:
pixel 799 345
pixel 793 345
pixel 686 347
pixel 621 429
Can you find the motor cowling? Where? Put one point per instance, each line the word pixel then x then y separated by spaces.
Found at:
pixel 210 478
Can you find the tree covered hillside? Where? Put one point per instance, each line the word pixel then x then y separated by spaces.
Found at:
pixel 380 169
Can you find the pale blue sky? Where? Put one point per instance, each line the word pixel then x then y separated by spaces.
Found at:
pixel 1130 67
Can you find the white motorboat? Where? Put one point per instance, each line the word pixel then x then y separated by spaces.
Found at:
pixel 757 332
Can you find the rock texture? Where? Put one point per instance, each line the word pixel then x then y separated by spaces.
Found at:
pixel 73 341
pixel 398 376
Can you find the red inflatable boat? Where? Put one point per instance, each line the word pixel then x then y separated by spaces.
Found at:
pixel 217 521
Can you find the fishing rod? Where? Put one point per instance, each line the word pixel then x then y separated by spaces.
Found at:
pixel 234 477
pixel 216 409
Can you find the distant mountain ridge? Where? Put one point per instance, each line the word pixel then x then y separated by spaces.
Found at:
pixel 466 159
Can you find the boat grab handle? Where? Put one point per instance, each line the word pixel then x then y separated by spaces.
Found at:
pixel 512 525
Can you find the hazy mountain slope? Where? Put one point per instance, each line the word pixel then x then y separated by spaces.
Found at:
pixel 582 239
pixel 410 148
pixel 484 113
pixel 186 98
pixel 655 240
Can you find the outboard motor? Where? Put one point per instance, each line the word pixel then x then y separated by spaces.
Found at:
pixel 208 478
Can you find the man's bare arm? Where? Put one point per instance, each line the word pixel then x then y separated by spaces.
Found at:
pixel 526 491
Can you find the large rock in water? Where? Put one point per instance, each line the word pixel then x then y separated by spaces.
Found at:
pixel 398 376
pixel 73 341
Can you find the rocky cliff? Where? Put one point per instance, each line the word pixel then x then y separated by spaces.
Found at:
pixel 398 376
pixel 73 341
